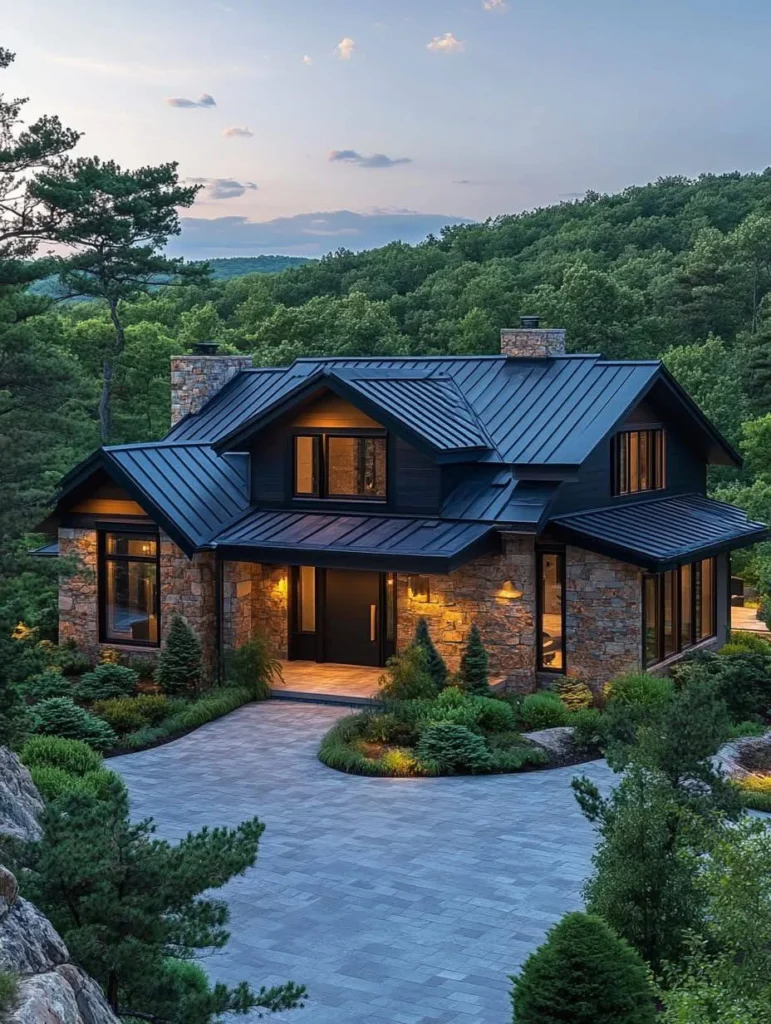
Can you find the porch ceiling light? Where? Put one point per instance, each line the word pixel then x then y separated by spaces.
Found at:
pixel 419 589
pixel 509 591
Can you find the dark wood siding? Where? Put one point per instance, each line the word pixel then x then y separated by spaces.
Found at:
pixel 270 467
pixel 416 479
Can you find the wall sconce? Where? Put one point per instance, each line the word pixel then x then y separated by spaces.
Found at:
pixel 509 591
pixel 419 589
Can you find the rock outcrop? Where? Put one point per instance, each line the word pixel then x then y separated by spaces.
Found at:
pixel 51 989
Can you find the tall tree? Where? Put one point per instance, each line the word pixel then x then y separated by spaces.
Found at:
pixel 115 223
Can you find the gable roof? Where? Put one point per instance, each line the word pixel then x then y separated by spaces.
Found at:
pixel 530 412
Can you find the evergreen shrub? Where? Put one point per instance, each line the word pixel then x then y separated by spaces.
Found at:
pixel 435 664
pixel 107 680
pixel 72 756
pixel 179 663
pixel 61 716
pixel 543 710
pixel 474 665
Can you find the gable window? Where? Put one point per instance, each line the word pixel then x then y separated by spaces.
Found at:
pixel 639 460
pixel 679 609
pixel 128 588
pixel 340 465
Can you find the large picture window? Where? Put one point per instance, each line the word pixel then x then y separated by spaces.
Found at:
pixel 340 466
pixel 679 609
pixel 639 461
pixel 551 611
pixel 129 590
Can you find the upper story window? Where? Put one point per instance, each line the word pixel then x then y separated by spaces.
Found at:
pixel 639 461
pixel 340 465
pixel 128 588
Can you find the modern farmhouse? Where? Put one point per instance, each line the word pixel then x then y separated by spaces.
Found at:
pixel 556 500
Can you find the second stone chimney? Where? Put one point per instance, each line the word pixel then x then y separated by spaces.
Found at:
pixel 195 378
pixel 529 341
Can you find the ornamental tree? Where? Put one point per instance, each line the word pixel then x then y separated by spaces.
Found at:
pixel 474 665
pixel 179 663
pixel 434 661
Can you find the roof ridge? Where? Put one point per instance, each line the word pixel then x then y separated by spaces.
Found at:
pixel 653 500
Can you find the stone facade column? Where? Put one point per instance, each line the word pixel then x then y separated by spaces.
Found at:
pixel 533 343
pixel 497 592
pixel 270 602
pixel 603 617
pixel 195 378
pixel 188 589
pixel 78 594
pixel 238 600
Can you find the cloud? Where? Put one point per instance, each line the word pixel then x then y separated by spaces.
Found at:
pixel 223 188
pixel 350 156
pixel 306 234
pixel 204 100
pixel 345 48
pixel 495 5
pixel 307 59
pixel 238 132
pixel 446 44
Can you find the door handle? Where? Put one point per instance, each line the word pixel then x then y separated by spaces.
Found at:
pixel 372 622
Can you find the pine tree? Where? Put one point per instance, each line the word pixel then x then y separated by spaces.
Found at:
pixel 473 665
pixel 434 661
pixel 179 664
pixel 583 973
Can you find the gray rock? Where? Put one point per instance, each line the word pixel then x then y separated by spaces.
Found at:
pixel 29 944
pixel 729 756
pixel 20 802
pixel 46 999
pixel 92 1005
pixel 558 740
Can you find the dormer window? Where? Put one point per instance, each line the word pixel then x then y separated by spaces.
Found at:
pixel 639 461
pixel 341 465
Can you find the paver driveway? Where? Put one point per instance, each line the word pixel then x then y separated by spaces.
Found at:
pixel 396 901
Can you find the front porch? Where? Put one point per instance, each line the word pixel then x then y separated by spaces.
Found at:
pixel 328 683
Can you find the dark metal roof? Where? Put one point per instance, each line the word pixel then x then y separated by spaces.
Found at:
pixel 494 495
pixel 46 551
pixel 327 540
pixel 663 532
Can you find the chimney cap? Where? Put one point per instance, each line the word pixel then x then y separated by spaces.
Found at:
pixel 205 348
pixel 529 323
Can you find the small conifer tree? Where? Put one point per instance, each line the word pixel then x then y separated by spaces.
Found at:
pixel 179 663
pixel 434 661
pixel 473 665
pixel 583 973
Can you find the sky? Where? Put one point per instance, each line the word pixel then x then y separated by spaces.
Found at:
pixel 319 123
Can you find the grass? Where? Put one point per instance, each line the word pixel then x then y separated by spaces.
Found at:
pixel 755 792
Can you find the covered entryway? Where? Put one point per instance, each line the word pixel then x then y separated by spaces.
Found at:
pixel 342 616
pixel 328 683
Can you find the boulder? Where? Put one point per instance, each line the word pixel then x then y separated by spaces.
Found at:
pixel 20 802
pixel 558 740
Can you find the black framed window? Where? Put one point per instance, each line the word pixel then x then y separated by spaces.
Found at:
pixel 639 461
pixel 129 590
pixel 340 465
pixel 306 599
pixel 550 600
pixel 679 609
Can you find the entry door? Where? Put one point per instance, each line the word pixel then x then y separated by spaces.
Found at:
pixel 352 617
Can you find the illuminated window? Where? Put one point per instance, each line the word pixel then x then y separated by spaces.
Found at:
pixel 639 460
pixel 306 465
pixel 306 599
pixel 679 609
pixel 551 611
pixel 340 466
pixel 129 591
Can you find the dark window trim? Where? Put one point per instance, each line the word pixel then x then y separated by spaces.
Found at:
pixel 539 553
pixel 321 456
pixel 103 558
pixel 696 603
pixel 657 443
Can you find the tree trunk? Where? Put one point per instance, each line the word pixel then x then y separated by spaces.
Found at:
pixel 112 990
pixel 108 369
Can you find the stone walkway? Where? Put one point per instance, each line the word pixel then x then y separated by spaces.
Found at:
pixel 395 901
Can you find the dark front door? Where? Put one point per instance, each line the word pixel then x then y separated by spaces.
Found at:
pixel 352 617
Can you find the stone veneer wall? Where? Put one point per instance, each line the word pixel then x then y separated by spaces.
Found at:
pixel 477 592
pixel 270 589
pixel 238 591
pixel 194 379
pixel 78 604
pixel 188 588
pixel 534 343
pixel 603 617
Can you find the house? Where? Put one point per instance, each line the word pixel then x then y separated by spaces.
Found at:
pixel 556 500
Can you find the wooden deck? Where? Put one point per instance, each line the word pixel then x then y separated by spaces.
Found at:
pixel 745 619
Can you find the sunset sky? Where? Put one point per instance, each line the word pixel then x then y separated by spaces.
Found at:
pixel 407 113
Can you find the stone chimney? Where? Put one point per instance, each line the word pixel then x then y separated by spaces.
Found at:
pixel 529 341
pixel 195 378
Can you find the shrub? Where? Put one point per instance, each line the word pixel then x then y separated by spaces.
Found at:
pixel 61 716
pixel 752 728
pixel 407 677
pixel 493 715
pixel 748 642
pixel 583 973
pixel 588 733
pixel 72 756
pixel 46 684
pixel 755 791
pixel 474 665
pixel 434 662
pixel 189 716
pixel 542 710
pixel 253 665
pixel 109 656
pixel 633 701
pixel 71 661
pixel 106 681
pixel 9 992
pixel 575 694
pixel 126 714
pixel 179 665
pixel 54 782
pixel 453 748
pixel 514 758
pixel 743 678
pixel 398 762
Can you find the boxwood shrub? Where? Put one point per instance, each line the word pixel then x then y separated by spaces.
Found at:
pixel 543 710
